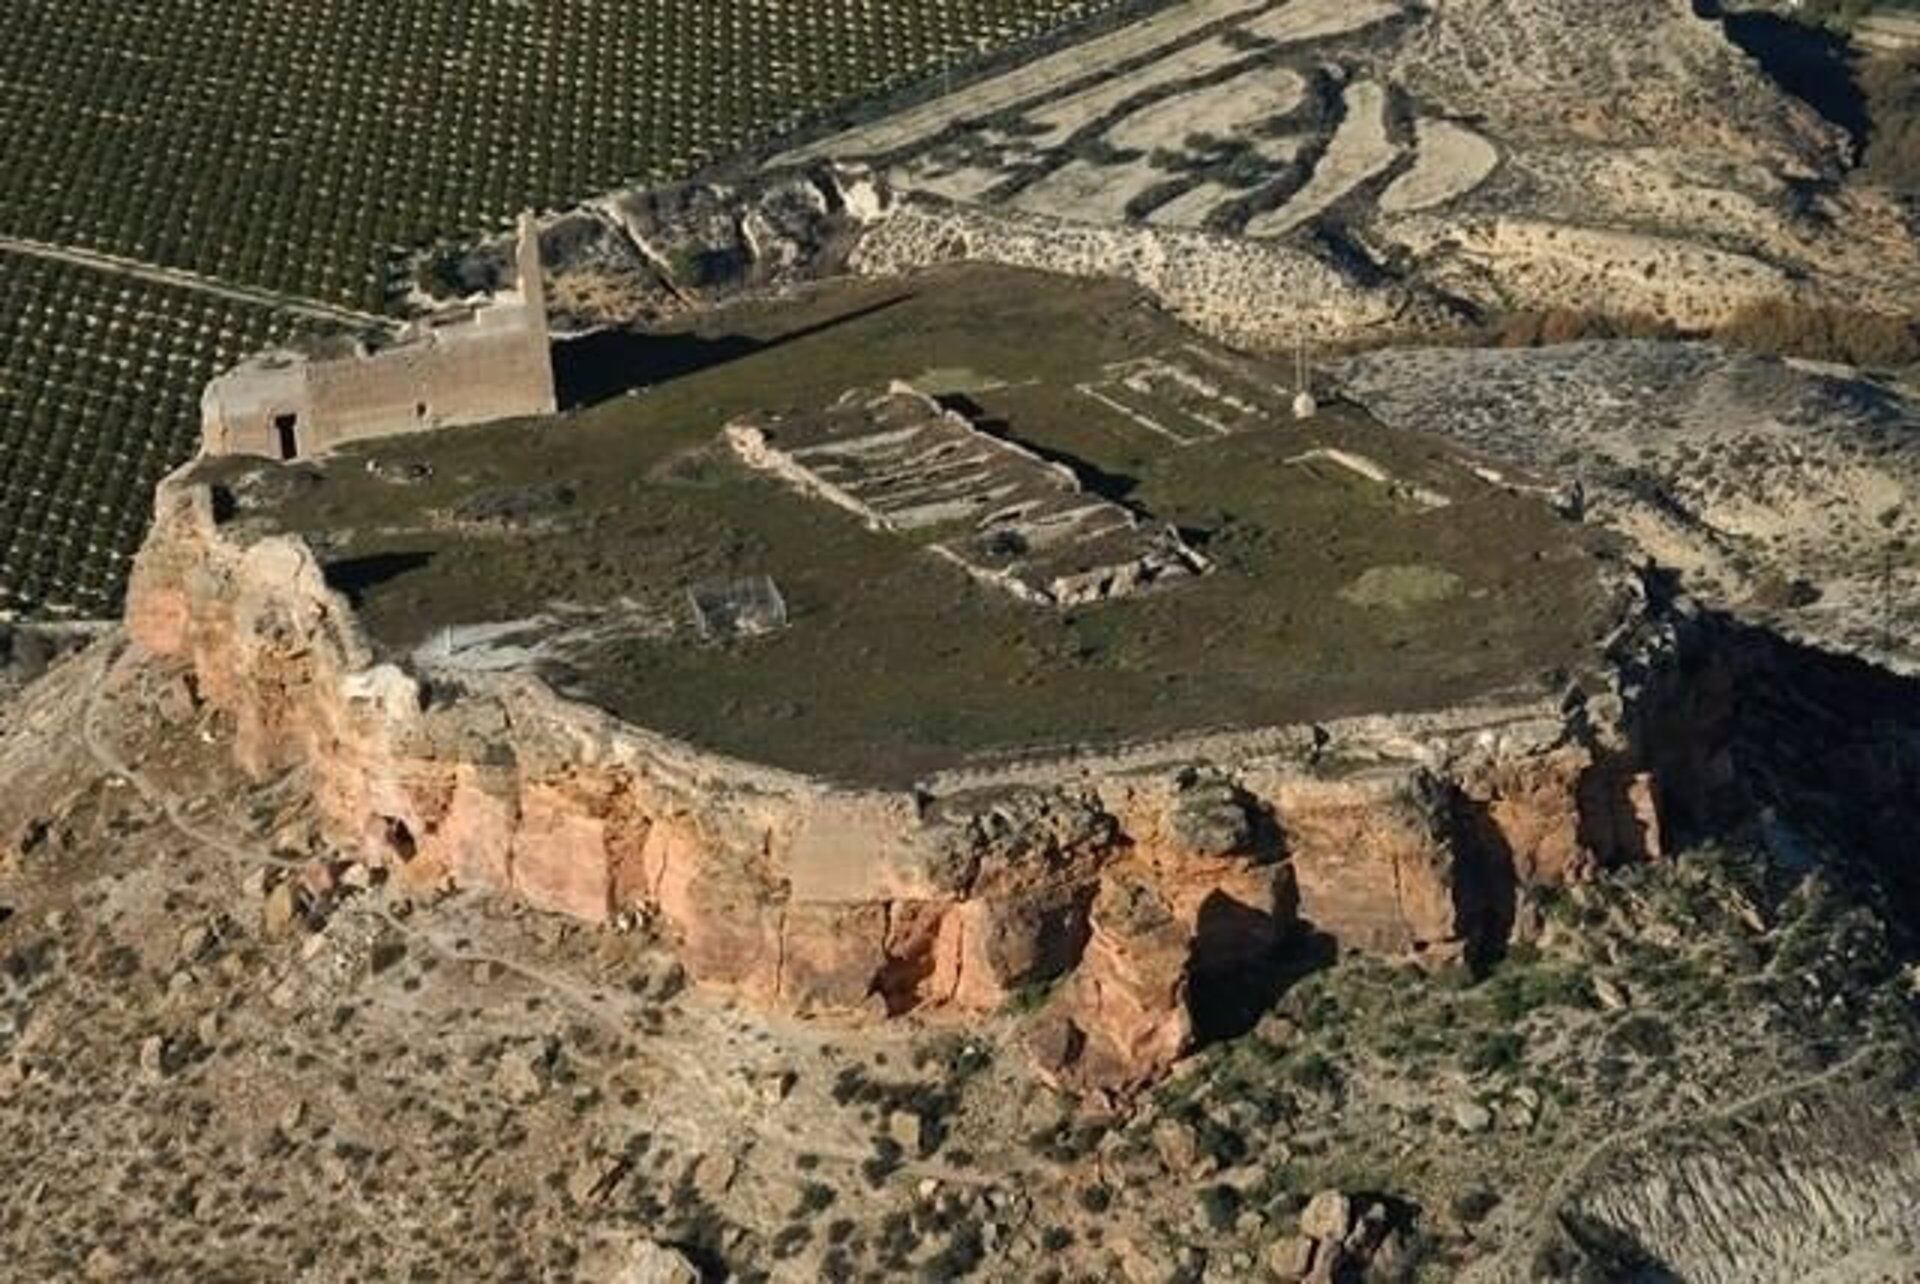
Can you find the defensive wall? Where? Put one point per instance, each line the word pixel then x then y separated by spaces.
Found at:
pixel 467 365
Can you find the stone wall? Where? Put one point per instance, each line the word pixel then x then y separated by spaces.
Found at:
pixel 1022 525
pixel 1124 877
pixel 467 366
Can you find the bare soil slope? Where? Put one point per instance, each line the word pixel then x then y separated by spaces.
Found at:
pixel 1625 158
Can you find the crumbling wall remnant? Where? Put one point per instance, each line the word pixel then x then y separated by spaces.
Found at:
pixel 468 365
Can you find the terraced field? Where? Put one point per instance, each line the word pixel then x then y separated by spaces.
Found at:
pixel 299 148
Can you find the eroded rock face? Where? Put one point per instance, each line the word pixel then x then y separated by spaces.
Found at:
pixel 1122 880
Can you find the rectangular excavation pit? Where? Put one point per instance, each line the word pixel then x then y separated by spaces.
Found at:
pixel 902 462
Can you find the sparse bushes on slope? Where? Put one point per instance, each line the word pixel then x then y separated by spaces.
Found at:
pixel 1778 327
pixel 1892 87
pixel 1785 328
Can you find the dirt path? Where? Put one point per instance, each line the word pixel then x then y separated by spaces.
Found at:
pixel 1510 1262
pixel 179 278
pixel 696 1085
pixel 903 129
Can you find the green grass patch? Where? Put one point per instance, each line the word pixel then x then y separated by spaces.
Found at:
pixel 896 664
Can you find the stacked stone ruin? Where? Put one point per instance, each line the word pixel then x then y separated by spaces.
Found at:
pixel 902 462
pixel 467 365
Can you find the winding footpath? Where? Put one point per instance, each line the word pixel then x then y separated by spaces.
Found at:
pixel 1510 1263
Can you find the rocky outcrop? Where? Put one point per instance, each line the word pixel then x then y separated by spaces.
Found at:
pixel 1114 878
pixel 648 255
pixel 1260 295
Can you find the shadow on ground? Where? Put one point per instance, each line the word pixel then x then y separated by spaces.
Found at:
pixel 609 363
pixel 353 576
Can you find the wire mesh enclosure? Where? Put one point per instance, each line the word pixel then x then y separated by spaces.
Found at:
pixel 741 608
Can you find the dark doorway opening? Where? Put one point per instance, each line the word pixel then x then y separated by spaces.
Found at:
pixel 286 429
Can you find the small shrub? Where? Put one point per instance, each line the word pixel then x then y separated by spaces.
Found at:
pixel 1315 1073
pixel 1065 1142
pixel 1645 1035
pixel 898 1239
pixel 1032 997
pixel 790 1241
pixel 957 1258
pixel 1471 1207
pixel 886 1160
pixel 1220 1205
pixel 1495 1052
pixel 1516 990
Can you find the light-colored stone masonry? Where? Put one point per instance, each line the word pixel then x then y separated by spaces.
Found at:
pixel 1261 296
pixel 467 365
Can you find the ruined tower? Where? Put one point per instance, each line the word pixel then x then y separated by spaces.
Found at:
pixel 468 364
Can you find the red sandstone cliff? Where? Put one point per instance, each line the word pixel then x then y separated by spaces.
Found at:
pixel 1121 878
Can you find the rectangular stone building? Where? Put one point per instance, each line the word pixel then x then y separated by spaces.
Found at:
pixel 467 365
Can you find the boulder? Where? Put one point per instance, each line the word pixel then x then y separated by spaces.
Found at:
pixel 1177 1145
pixel 1291 1258
pixel 1377 865
pixel 156 1059
pixel 524 1072
pixel 281 912
pixel 909 1130
pixel 645 1262
pixel 1471 1116
pixel 1327 1216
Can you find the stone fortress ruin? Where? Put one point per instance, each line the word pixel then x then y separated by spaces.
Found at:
pixel 1114 694
pixel 982 642
pixel 468 364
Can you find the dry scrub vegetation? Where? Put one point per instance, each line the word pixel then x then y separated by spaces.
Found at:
pixel 1892 87
pixel 1775 327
